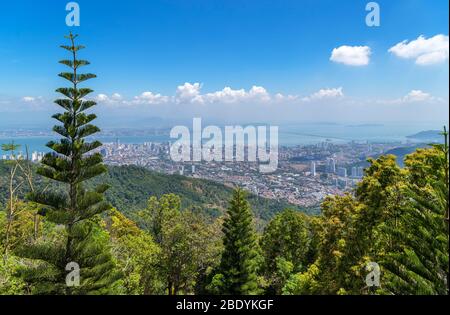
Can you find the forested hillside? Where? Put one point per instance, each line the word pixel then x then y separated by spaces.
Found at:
pixel 131 186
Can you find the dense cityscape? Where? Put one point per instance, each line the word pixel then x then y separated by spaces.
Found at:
pixel 306 174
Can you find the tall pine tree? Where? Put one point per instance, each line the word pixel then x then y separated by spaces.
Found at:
pixel 72 163
pixel 239 262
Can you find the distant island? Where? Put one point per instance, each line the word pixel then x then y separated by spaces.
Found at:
pixel 429 135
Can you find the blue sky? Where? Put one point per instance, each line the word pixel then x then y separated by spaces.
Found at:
pixel 284 47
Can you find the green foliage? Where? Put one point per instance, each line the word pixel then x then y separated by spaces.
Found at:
pixel 132 185
pixel 303 283
pixel 287 235
pixel 397 218
pixel 9 283
pixel 239 262
pixel 189 246
pixel 45 267
pixel 342 250
pixel 20 226
pixel 420 263
pixel 285 246
pixel 72 164
pixel 136 255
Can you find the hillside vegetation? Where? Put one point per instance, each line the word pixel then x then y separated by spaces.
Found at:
pixel 131 187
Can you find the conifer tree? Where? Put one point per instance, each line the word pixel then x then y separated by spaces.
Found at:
pixel 72 163
pixel 421 266
pixel 239 262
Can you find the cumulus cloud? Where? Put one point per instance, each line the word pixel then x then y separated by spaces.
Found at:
pixel 115 98
pixel 334 93
pixel 417 96
pixel 228 95
pixel 351 55
pixel 189 93
pixel 102 98
pixel 259 93
pixel 424 51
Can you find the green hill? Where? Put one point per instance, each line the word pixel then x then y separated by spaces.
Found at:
pixel 428 136
pixel 131 186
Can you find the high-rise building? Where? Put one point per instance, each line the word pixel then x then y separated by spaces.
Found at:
pixel 34 156
pixel 354 172
pixel 313 168
pixel 331 165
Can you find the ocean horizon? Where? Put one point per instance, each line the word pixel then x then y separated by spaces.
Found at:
pixel 289 135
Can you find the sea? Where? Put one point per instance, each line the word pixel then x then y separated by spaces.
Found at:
pixel 289 135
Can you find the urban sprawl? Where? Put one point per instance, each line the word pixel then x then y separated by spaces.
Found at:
pixel 306 174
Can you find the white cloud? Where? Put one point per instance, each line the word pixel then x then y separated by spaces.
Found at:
pixel 227 95
pixel 425 51
pixel 33 99
pixel 322 94
pixel 145 98
pixel 28 99
pixel 282 98
pixel 32 103
pixel 150 98
pixel 417 96
pixel 101 98
pixel 189 93
pixel 35 102
pixel 115 98
pixel 259 93
pixel 351 55
pixel 414 96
